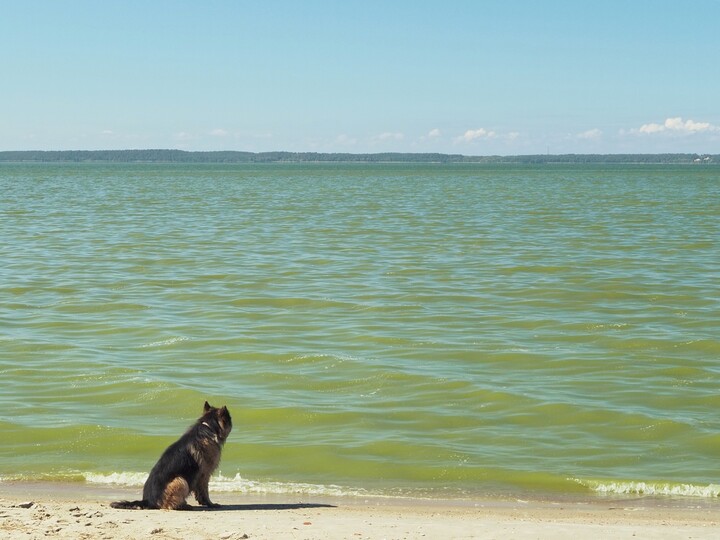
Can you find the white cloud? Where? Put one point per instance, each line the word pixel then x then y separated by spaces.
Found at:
pixel 434 135
pixel 651 128
pixel 219 133
pixel 388 136
pixel 474 134
pixel 676 125
pixel 590 134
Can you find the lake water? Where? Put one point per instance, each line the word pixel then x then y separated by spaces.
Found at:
pixel 426 330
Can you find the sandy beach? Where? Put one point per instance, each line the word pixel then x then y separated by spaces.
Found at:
pixel 31 511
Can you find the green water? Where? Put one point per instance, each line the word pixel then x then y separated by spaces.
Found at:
pixel 415 329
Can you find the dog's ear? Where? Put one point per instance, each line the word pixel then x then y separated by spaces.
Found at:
pixel 224 419
pixel 207 407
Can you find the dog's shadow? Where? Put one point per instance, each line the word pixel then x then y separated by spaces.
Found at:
pixel 267 506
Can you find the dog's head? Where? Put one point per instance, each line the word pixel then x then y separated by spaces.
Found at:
pixel 218 419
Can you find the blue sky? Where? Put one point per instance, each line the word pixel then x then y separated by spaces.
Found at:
pixel 473 77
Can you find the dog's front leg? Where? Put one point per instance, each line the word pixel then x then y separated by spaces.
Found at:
pixel 202 494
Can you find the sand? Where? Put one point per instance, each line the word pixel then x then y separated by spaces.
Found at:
pixel 77 511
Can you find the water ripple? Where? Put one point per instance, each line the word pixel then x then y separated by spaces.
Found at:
pixel 389 327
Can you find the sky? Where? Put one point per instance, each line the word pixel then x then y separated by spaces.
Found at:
pixel 474 77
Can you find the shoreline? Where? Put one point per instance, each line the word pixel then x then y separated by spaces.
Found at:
pixel 69 510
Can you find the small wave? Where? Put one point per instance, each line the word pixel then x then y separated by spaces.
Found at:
pixel 234 484
pixel 320 356
pixel 237 483
pixel 117 479
pixel 164 342
pixel 651 488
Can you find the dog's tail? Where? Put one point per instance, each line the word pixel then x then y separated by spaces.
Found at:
pixel 131 505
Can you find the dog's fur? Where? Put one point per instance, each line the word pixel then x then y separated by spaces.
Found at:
pixel 186 465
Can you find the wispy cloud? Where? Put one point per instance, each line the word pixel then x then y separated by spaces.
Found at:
pixel 676 126
pixel 472 135
pixel 183 136
pixel 590 135
pixel 389 136
pixel 433 136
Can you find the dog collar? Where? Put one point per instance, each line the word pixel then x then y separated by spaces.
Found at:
pixel 215 437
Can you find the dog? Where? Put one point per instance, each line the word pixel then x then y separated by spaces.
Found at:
pixel 186 465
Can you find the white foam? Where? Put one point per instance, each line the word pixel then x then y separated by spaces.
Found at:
pixel 119 479
pixel 236 483
pixel 651 488
pixel 165 342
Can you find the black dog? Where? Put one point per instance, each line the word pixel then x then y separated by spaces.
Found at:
pixel 185 467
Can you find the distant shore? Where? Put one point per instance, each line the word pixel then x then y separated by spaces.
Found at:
pixel 181 156
pixel 81 511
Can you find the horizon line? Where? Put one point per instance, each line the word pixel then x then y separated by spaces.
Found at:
pixel 245 157
pixel 158 149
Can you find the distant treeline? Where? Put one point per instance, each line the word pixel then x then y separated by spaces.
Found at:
pixel 181 156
